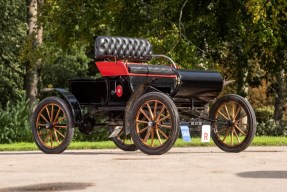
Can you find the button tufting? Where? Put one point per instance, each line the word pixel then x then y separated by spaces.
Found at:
pixel 123 48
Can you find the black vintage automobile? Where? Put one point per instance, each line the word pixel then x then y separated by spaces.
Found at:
pixel 144 104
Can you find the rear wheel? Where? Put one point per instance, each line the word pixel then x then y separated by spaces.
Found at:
pixel 234 123
pixel 52 125
pixel 124 142
pixel 155 123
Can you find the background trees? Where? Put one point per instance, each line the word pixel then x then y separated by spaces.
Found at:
pixel 245 40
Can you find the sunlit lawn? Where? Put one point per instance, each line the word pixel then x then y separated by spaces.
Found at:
pixel 258 141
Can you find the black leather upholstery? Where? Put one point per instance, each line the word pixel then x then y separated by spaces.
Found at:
pixel 132 49
pixel 151 69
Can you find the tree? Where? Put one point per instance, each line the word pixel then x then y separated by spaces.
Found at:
pixel 12 35
pixel 34 40
pixel 269 33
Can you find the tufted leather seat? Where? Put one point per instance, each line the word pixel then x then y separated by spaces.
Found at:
pixel 132 49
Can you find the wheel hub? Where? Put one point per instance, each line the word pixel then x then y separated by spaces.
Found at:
pixel 151 123
pixel 230 124
pixel 49 126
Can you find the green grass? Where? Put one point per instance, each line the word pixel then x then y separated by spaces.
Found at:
pixel 258 141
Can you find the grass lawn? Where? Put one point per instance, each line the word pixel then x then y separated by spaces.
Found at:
pixel 258 141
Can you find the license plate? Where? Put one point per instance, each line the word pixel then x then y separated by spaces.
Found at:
pixel 205 133
pixel 185 133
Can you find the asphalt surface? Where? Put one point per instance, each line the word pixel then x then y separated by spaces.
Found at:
pixel 181 169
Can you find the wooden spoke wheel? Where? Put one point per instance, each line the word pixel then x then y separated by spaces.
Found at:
pixel 155 123
pixel 234 123
pixel 52 125
pixel 124 142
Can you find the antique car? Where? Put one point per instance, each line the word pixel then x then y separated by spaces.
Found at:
pixel 144 104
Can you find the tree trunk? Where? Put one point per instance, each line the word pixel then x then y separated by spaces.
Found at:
pixel 35 32
pixel 280 96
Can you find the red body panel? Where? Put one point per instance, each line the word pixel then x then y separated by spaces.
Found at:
pixel 119 68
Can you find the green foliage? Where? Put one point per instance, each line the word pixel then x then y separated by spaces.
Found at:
pixel 101 134
pixel 14 122
pixel 264 113
pixel 59 66
pixel 12 35
pixel 266 124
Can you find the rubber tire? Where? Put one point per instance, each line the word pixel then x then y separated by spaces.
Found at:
pixel 121 145
pixel 175 118
pixel 69 134
pixel 251 120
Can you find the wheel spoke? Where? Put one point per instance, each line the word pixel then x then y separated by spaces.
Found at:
pixel 160 113
pixel 240 130
pixel 241 118
pixel 164 118
pixel 218 132
pixel 61 126
pixel 237 112
pixel 41 115
pixel 164 135
pixel 48 112
pixel 150 111
pixel 42 131
pixel 41 124
pixel 60 133
pixel 61 119
pixel 155 109
pixel 52 114
pixel 158 136
pixel 147 136
pixel 141 121
pixel 231 136
pixel 164 126
pixel 228 115
pixel 144 113
pixel 242 124
pixel 56 137
pixel 57 115
pixel 51 138
pixel 227 132
pixel 233 109
pixel 141 131
pixel 222 114
pixel 152 137
pixel 47 137
pixel 236 135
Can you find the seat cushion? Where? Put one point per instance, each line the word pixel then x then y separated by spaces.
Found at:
pixel 123 48
pixel 150 69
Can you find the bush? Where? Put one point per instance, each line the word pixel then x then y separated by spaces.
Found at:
pixel 266 124
pixel 264 113
pixel 14 122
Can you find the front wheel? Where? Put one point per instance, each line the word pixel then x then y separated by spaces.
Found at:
pixel 234 123
pixel 155 123
pixel 52 125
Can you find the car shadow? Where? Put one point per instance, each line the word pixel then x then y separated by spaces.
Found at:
pixel 264 174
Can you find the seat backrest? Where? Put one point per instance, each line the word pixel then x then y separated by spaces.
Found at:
pixel 123 48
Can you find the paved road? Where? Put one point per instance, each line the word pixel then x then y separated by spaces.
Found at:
pixel 181 169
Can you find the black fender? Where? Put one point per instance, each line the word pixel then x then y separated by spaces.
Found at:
pixel 141 89
pixel 69 98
